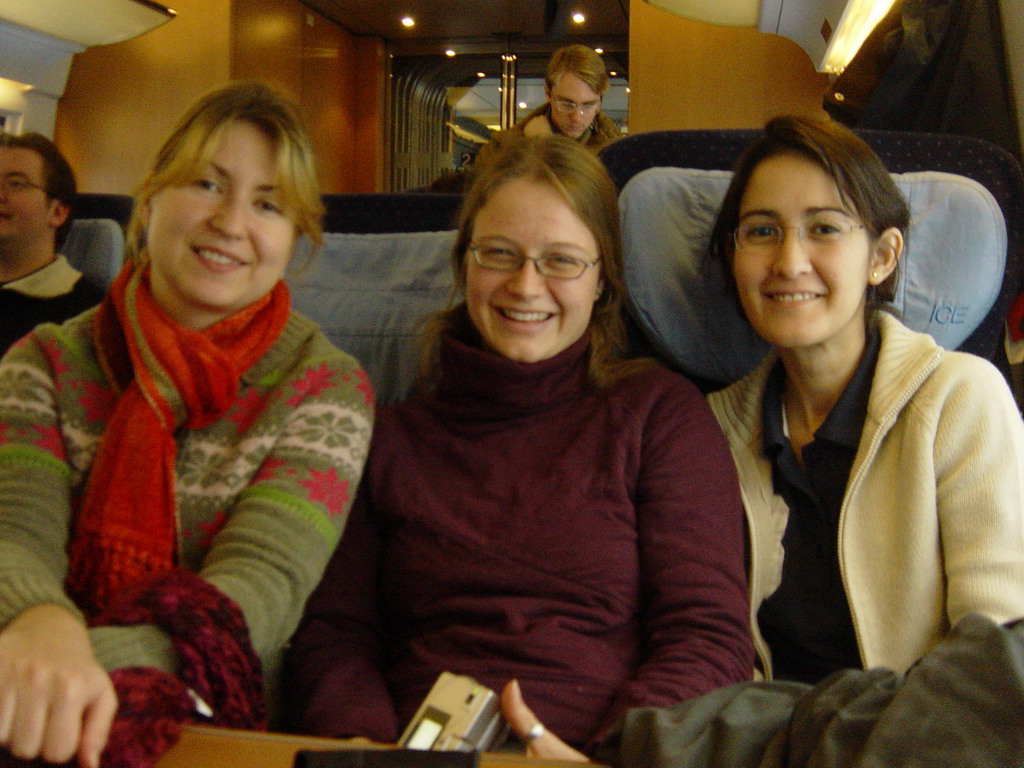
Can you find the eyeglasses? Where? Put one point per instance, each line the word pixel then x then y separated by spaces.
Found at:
pixel 818 233
pixel 555 265
pixel 15 185
pixel 567 107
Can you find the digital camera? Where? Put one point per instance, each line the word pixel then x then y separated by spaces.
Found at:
pixel 458 714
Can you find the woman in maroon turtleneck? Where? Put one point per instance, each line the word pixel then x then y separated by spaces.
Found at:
pixel 547 512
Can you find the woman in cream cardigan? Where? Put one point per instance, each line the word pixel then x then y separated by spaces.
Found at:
pixel 882 476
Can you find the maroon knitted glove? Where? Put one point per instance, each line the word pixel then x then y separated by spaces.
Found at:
pixel 152 706
pixel 212 641
pixel 217 662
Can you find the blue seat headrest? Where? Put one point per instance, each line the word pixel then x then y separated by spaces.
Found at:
pixel 371 293
pixel 95 247
pixel 951 268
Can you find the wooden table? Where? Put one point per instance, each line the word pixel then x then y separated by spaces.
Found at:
pixel 203 747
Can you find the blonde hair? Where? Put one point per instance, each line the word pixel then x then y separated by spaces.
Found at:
pixel 194 140
pixel 579 60
pixel 582 181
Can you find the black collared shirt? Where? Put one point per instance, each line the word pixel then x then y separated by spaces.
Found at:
pixel 806 621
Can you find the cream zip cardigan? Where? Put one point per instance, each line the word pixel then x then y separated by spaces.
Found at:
pixel 932 523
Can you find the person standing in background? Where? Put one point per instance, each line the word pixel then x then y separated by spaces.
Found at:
pixel 575 85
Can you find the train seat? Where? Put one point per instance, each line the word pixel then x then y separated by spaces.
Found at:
pixel 95 247
pixel 384 270
pixel 962 267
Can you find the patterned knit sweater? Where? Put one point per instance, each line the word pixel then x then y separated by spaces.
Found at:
pixel 262 494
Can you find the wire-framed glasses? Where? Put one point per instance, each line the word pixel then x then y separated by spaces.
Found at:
pixel 567 107
pixel 821 232
pixel 16 184
pixel 557 265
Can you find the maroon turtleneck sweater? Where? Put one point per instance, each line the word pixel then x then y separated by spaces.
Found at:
pixel 519 524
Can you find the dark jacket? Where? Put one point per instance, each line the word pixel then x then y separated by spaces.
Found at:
pixel 960 705
pixel 601 133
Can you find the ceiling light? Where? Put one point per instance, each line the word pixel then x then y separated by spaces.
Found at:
pixel 522 105
pixel 858 19
pixel 794 19
pixel 613 73
pixel 449 53
pixel 481 74
pixel 578 17
pixel 105 21
pixel 408 21
pixel 599 50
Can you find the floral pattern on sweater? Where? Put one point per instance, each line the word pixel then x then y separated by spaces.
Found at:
pixel 262 493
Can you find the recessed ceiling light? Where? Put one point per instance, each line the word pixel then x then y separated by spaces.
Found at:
pixel 599 50
pixel 613 73
pixel 579 18
pixel 408 21
pixel 481 74
pixel 449 52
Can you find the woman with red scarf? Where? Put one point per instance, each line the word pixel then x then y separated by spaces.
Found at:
pixel 175 465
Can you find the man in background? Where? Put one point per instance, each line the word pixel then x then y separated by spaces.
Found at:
pixel 575 83
pixel 37 284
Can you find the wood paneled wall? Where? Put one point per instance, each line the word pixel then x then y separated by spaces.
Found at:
pixel 343 100
pixel 370 115
pixel 121 100
pixel 268 43
pixel 686 74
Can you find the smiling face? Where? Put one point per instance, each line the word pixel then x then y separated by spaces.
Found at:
pixel 571 89
pixel 523 315
pixel 802 295
pixel 223 240
pixel 28 217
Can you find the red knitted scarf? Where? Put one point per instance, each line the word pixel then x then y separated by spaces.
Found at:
pixel 167 376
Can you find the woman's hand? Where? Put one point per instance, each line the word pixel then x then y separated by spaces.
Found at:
pixel 522 720
pixel 56 701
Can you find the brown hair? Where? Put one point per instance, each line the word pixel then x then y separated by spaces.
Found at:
pixel 864 184
pixel 582 181
pixel 194 139
pixel 58 178
pixel 579 60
